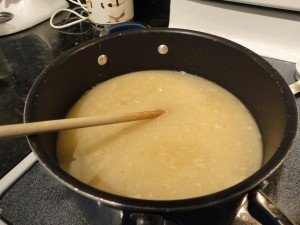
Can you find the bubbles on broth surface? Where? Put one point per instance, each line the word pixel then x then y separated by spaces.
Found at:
pixel 205 142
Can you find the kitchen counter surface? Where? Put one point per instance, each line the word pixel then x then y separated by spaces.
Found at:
pixel 22 57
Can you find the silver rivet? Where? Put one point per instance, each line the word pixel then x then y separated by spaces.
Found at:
pixel 102 60
pixel 163 49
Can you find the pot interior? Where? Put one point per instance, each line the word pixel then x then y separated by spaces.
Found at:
pixel 237 69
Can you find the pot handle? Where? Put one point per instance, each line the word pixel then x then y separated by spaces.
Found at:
pixel 122 27
pixel 263 210
pixel 151 219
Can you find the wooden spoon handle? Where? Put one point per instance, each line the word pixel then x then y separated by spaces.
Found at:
pixel 65 124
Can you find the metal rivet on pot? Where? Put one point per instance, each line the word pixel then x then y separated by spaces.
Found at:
pixel 102 60
pixel 163 49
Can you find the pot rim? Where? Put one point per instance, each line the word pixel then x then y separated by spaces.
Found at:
pixel 168 205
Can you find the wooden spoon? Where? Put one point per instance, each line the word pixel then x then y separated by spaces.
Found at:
pixel 15 130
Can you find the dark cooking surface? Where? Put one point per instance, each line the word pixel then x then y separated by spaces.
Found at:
pixel 37 198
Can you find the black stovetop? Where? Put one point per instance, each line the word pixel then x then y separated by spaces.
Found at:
pixel 37 198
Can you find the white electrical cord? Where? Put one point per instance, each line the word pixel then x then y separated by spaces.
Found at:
pixel 78 2
pixel 74 9
pixel 82 18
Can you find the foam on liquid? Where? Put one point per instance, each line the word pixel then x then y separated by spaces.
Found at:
pixel 205 142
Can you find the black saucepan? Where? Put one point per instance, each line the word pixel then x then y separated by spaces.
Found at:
pixel 249 77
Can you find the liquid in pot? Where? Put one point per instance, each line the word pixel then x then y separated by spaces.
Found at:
pixel 206 141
